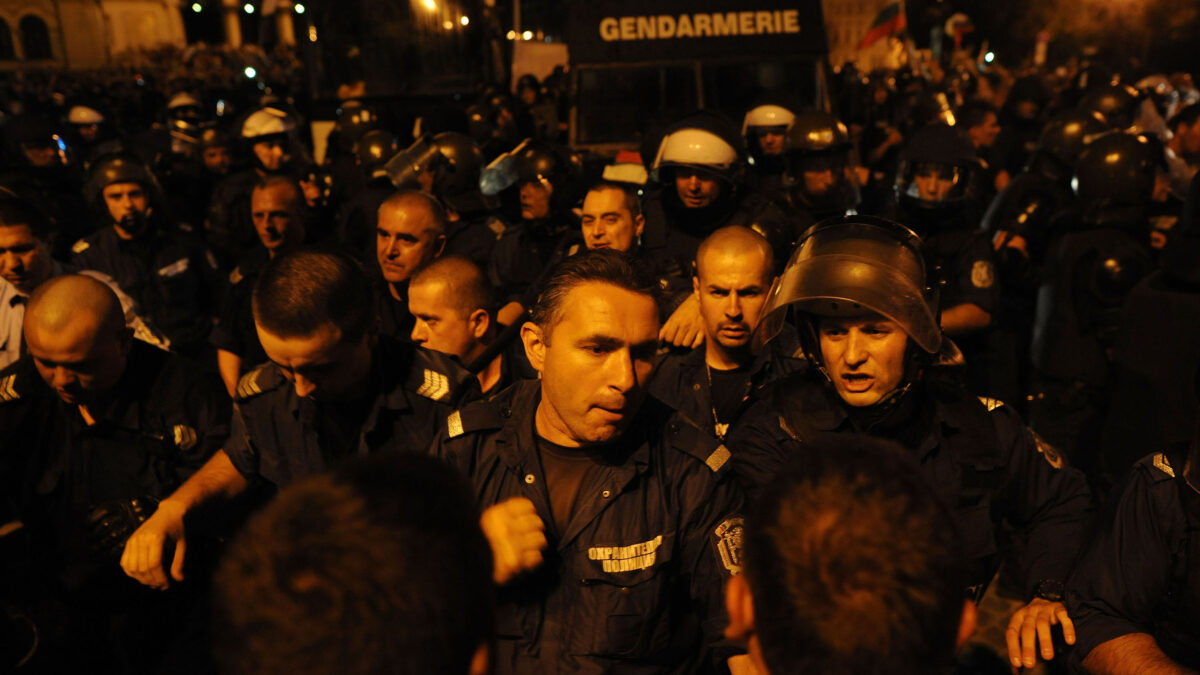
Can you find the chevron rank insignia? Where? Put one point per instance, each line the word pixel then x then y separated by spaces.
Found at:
pixel 185 437
pixel 435 386
pixel 991 403
pixel 80 246
pixel 248 386
pixel 1161 463
pixel 8 389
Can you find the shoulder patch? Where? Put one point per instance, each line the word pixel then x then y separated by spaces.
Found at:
pixel 727 542
pixel 1163 464
pixel 256 382
pixel 80 246
pixel 8 389
pixel 991 403
pixel 235 277
pixel 983 274
pixel 435 386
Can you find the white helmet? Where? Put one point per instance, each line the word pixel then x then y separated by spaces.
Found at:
pixel 183 100
pixel 768 116
pixel 84 116
pixel 267 122
pixel 696 148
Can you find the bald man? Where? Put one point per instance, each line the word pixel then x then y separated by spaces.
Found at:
pixel 713 383
pixel 95 427
pixel 453 306
pixel 411 232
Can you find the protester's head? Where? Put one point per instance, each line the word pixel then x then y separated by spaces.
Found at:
pixel 75 331
pixel 377 567
pixel 277 207
pixel 452 302
pixel 851 565
pixel 612 217
pixel 315 315
pixel 733 274
pixel 25 241
pixel 411 232
pixel 593 336
pixel 980 119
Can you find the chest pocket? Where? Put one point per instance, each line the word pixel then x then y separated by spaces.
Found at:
pixel 622 607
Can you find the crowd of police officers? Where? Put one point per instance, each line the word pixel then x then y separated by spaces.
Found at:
pixel 1001 275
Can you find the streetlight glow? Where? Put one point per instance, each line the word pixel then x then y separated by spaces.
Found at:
pixel 248 8
pixel 464 20
pixel 511 35
pixel 527 35
pixel 430 5
pixel 448 24
pixel 299 8
pixel 250 72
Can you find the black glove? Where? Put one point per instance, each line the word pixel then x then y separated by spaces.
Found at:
pixel 111 524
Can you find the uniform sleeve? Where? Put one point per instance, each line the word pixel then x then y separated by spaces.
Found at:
pixel 1046 496
pixel 1121 580
pixel 240 447
pixel 975 275
pixel 210 407
pixel 759 446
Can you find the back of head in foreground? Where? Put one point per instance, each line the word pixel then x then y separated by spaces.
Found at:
pixel 853 566
pixel 378 567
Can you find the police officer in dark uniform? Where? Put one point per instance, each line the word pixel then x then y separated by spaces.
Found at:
pixel 867 323
pixel 358 217
pixel 1135 595
pixel 334 388
pixel 97 427
pixel 612 524
pixel 448 166
pixel 764 129
pixel 1091 268
pixel 171 274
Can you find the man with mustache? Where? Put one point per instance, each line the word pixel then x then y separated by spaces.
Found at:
pixel 612 521
pixel 713 383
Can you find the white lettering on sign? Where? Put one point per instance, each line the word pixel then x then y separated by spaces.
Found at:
pixel 715 24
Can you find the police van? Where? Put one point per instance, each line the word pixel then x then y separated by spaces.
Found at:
pixel 637 66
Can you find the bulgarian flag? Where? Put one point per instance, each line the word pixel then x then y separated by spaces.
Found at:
pixel 889 21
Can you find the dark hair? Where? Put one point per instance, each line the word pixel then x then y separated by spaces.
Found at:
pixel 853 563
pixel 600 266
pixel 18 211
pixel 301 291
pixel 974 112
pixel 1187 116
pixel 467 286
pixel 632 202
pixel 379 567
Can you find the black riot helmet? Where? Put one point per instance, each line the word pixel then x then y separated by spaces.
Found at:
pixel 1063 139
pixel 354 120
pixel 449 163
pixel 1114 178
pixel 1118 103
pixel 818 165
pixel 536 161
pixel 938 170
pixel 122 167
pixel 374 149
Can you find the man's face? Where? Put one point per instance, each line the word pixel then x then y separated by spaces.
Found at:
pixel 24 261
pixel 696 189
pixel 535 199
pixel 933 185
pixel 80 362
pixel 125 200
pixel 270 154
pixel 607 222
pixel 984 135
pixel 41 156
pixel 440 325
pixel 1189 142
pixel 88 132
pixel 817 182
pixel 406 240
pixel 771 142
pixel 277 218
pixel 732 288
pixel 864 357
pixel 217 159
pixel 594 363
pixel 321 366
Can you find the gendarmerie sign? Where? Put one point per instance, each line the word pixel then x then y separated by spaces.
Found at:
pixel 629 31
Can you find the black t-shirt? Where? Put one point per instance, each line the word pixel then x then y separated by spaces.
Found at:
pixel 339 425
pixel 728 391
pixel 566 470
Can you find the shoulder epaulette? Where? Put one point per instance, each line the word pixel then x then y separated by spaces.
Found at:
pixel 8 388
pixel 991 403
pixel 256 382
pixel 482 416
pixel 1161 463
pixel 695 442
pixel 80 246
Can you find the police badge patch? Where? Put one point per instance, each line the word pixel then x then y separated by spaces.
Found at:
pixel 983 274
pixel 727 541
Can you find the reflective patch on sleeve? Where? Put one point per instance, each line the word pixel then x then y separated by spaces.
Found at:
pixel 983 274
pixel 248 386
pixel 727 540
pixel 8 389
pixel 435 386
pixel 1047 451
pixel 717 460
pixel 80 246
pixel 454 427
pixel 178 267
pixel 1161 463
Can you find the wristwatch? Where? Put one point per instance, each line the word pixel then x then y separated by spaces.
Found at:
pixel 1049 589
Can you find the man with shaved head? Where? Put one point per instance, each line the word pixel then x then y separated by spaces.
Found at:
pixel 411 232
pixel 714 382
pixel 97 427
pixel 454 306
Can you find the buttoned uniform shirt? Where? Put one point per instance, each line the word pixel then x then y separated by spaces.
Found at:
pixel 1129 578
pixel 977 454
pixel 12 314
pixel 633 583
pixel 275 436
